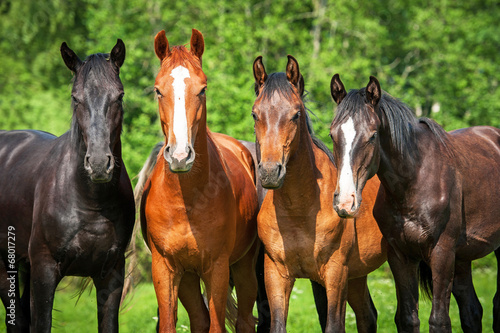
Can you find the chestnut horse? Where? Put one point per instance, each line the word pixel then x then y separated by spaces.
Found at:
pixel 302 235
pixel 199 207
pixel 67 201
pixel 438 206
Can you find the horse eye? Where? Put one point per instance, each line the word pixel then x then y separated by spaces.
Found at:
pixel 158 93
pixel 120 98
pixel 296 116
pixel 202 92
pixel 373 137
pixel 254 116
pixel 75 101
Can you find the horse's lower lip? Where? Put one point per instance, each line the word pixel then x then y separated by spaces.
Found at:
pixel 100 180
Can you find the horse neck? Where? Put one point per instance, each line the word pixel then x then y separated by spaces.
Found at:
pixel 396 172
pixel 301 177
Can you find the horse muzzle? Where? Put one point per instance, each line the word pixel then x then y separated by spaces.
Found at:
pixel 272 174
pixel 179 159
pixel 346 206
pixel 99 167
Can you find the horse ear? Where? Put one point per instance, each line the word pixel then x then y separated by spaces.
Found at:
pixel 70 58
pixel 293 74
pixel 161 45
pixel 337 89
pixel 117 54
pixel 197 43
pixel 373 92
pixel 259 73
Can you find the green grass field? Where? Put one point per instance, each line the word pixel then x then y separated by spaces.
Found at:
pixel 139 314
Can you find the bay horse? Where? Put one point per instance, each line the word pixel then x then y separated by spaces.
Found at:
pixel 199 206
pixel 67 201
pixel 438 205
pixel 302 235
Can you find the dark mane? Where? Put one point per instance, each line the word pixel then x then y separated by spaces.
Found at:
pixel 279 82
pixel 397 117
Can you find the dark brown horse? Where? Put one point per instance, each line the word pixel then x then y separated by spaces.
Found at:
pixel 302 234
pixel 438 206
pixel 199 207
pixel 66 202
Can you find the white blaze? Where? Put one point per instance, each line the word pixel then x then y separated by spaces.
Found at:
pixel 346 180
pixel 180 119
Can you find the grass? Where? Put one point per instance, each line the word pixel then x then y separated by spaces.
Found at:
pixel 139 314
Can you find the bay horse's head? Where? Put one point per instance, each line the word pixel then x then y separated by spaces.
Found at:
pixel 97 107
pixel 356 146
pixel 180 87
pixel 278 113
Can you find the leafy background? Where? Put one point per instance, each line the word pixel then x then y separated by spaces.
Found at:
pixel 440 57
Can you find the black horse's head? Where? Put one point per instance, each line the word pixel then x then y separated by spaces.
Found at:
pixel 97 108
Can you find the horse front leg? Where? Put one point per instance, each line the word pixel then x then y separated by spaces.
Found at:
pixel 217 283
pixel 279 287
pixel 405 273
pixel 469 306
pixel 16 317
pixel 108 293
pixel 359 298
pixel 166 283
pixel 336 276
pixel 44 279
pixel 191 298
pixel 496 299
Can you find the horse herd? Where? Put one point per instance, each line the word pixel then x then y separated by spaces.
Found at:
pixel 244 215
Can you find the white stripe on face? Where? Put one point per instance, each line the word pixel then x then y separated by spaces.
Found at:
pixel 346 181
pixel 180 119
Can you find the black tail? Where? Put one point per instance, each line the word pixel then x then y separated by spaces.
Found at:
pixel 425 279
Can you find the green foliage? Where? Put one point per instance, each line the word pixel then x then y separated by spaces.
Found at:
pixel 440 54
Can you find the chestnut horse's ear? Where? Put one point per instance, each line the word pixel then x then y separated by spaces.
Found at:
pixel 161 45
pixel 373 92
pixel 117 54
pixel 70 58
pixel 197 44
pixel 337 89
pixel 259 73
pixel 293 74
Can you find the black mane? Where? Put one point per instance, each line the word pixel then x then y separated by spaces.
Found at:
pixel 279 82
pixel 397 117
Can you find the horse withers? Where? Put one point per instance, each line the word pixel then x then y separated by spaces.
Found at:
pixel 302 234
pixel 68 200
pixel 438 206
pixel 199 206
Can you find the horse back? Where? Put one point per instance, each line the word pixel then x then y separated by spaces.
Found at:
pixel 22 159
pixel 478 150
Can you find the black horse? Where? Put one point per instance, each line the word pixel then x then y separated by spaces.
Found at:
pixel 66 203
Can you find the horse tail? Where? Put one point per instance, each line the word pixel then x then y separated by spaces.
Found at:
pixel 425 279
pixel 133 250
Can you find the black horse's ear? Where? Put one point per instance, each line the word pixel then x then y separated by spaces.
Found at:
pixel 259 73
pixel 197 44
pixel 337 89
pixel 70 58
pixel 161 45
pixel 293 74
pixel 373 91
pixel 117 54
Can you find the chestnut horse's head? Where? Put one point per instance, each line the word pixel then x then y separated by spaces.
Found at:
pixel 356 146
pixel 180 86
pixel 278 113
pixel 97 108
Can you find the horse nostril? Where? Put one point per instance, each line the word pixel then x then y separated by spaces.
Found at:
pixel 111 163
pixel 190 154
pixel 280 168
pixel 86 162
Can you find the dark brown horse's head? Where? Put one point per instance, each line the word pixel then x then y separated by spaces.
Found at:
pixel 279 114
pixel 356 148
pixel 180 86
pixel 97 108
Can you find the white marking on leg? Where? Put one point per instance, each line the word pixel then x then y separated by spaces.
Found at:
pixel 346 180
pixel 180 118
